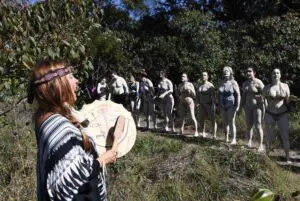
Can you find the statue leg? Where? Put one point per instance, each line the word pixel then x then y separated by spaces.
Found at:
pixel 270 128
pixel 232 126
pixel 283 125
pixel 162 108
pixel 257 117
pixel 138 107
pixel 192 111
pixel 132 106
pixel 224 113
pixel 169 109
pixel 147 112
pixel 182 117
pixel 152 113
pixel 201 109
pixel 166 106
pixel 212 113
pixel 249 115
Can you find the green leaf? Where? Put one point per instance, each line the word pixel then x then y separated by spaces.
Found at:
pixel 53 14
pixel 86 74
pixel 90 65
pixel 73 54
pixel 24 57
pixel 32 40
pixel 82 49
pixel 26 65
pixel 51 53
pixel 6 85
pixel 39 19
pixel 1 70
pixel 66 43
pixel 15 28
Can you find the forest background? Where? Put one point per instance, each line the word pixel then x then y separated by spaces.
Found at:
pixel 97 36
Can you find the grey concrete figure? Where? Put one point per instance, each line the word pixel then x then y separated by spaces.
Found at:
pixel 229 102
pixel 252 101
pixel 102 89
pixel 206 104
pixel 187 94
pixel 147 93
pixel 118 89
pixel 165 95
pixel 135 99
pixel 277 96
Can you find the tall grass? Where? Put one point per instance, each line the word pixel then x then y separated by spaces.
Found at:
pixel 195 172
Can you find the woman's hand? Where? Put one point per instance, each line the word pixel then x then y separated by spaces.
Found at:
pixel 108 157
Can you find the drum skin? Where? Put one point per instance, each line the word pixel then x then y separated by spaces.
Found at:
pixel 102 117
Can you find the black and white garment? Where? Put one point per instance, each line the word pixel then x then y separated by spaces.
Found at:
pixel 65 171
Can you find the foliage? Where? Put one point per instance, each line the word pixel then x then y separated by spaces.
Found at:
pixel 266 44
pixel 199 43
pixel 54 29
pixel 249 9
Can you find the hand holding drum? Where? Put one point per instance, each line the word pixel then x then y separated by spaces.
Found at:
pixel 112 128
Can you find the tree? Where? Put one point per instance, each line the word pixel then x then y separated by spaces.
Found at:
pixel 53 29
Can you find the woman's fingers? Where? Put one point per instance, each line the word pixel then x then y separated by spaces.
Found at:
pixel 108 157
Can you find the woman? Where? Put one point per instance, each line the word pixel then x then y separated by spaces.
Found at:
pixel 135 100
pixel 229 101
pixel 207 104
pixel 252 100
pixel 102 89
pixel 68 167
pixel 187 95
pixel 165 90
pixel 277 96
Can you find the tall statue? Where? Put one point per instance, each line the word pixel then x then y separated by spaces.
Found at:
pixel 102 89
pixel 206 104
pixel 118 89
pixel 187 94
pixel 165 94
pixel 229 102
pixel 135 99
pixel 252 100
pixel 277 96
pixel 147 93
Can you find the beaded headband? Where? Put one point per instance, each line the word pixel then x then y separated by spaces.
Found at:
pixel 52 75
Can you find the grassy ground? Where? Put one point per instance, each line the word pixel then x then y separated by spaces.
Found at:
pixel 160 167
pixel 180 168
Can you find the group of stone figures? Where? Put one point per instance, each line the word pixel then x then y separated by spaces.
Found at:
pixel 260 102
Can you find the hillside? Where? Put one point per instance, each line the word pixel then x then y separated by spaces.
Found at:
pixel 164 167
pixel 160 167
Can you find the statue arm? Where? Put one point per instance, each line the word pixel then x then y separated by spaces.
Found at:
pixel 244 95
pixel 260 86
pixel 213 94
pixel 151 87
pixel 238 95
pixel 288 93
pixel 221 105
pixel 137 88
pixel 169 91
pixel 125 86
pixel 98 88
pixel 192 88
pixel 264 93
